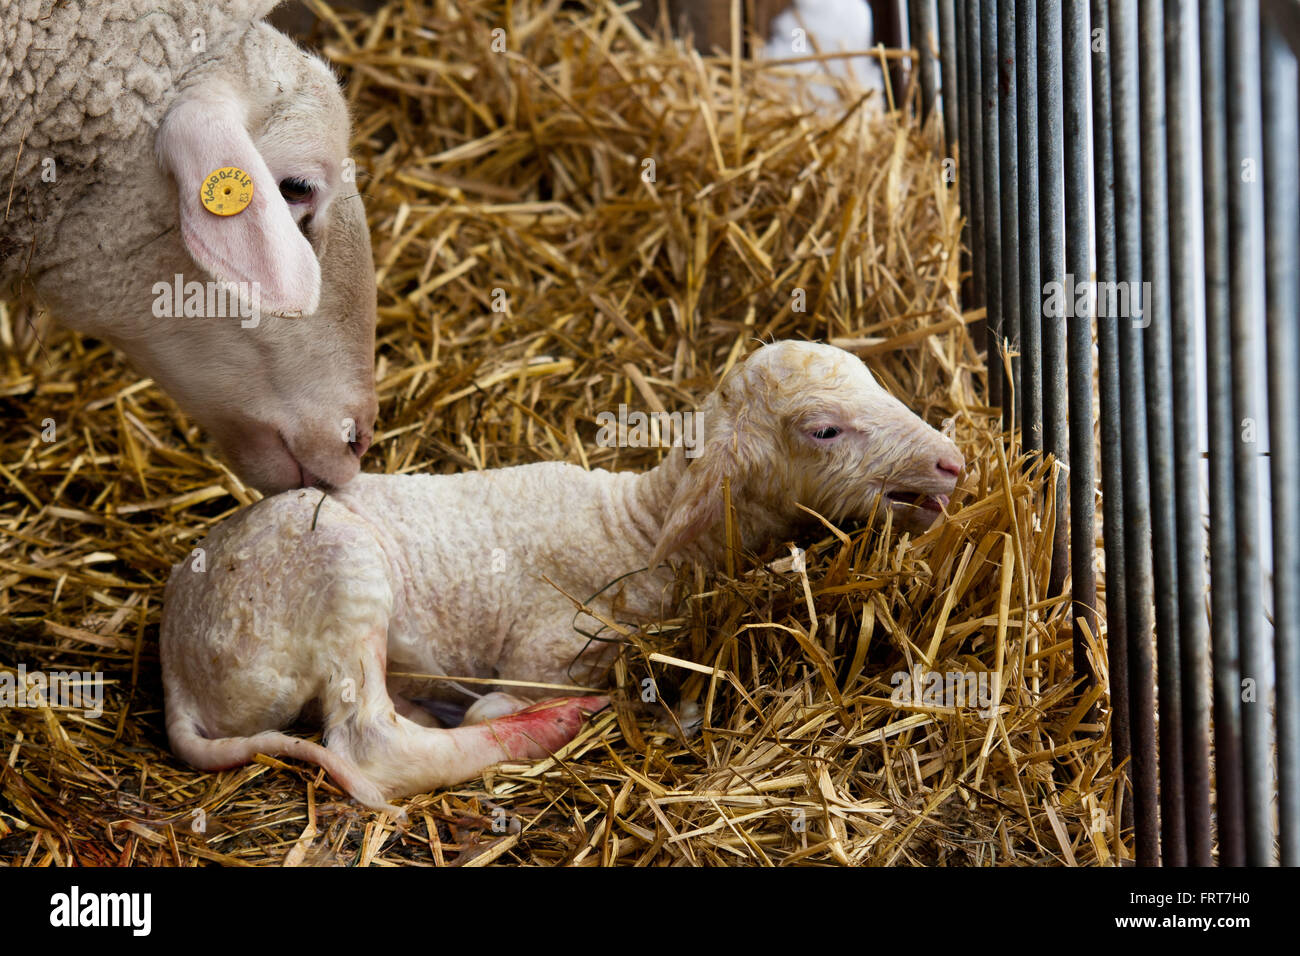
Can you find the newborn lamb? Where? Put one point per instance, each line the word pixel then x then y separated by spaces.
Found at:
pixel 299 601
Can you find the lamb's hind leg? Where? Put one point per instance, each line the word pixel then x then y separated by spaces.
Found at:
pixel 491 706
pixel 413 711
pixel 403 758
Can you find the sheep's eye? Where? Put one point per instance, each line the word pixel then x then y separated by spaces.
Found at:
pixel 825 434
pixel 295 190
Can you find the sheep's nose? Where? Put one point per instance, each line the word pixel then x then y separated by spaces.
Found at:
pixel 950 466
pixel 360 444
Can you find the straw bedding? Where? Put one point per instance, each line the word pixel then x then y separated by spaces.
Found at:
pixel 535 270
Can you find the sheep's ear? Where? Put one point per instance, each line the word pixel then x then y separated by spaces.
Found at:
pixel 697 501
pixel 205 131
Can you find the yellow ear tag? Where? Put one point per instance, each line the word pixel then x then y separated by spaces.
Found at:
pixel 226 191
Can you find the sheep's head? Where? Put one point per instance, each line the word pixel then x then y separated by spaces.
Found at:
pixel 289 397
pixel 259 324
pixel 799 423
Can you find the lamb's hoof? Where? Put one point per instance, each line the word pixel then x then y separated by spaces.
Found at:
pixel 544 728
pixel 493 705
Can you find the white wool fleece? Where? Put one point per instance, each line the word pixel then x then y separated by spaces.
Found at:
pixel 86 84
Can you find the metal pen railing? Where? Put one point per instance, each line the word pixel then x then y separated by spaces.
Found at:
pixel 1153 149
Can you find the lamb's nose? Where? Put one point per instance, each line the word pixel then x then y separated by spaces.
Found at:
pixel 950 466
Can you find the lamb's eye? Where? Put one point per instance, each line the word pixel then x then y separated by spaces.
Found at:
pixel 825 434
pixel 295 190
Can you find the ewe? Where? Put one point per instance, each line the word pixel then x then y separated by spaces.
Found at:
pixel 113 116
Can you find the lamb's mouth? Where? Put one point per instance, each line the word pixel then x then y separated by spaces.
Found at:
pixel 919 499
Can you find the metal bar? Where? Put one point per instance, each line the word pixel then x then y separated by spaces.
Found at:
pixel 1157 351
pixel 1185 271
pixel 1051 213
pixel 975 107
pixel 1031 286
pixel 1137 514
pixel 1229 796
pixel 911 12
pixel 992 196
pixel 1078 254
pixel 888 28
pixel 1112 475
pixel 964 150
pixel 1010 193
pixel 948 74
pixel 1245 249
pixel 923 42
pixel 1282 264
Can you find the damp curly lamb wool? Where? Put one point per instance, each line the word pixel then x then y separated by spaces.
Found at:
pixel 300 600
pixel 112 115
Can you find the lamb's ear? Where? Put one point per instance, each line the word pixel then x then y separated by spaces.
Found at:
pixel 697 501
pixel 204 130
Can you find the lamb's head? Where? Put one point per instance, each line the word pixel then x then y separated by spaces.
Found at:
pixel 261 323
pixel 799 423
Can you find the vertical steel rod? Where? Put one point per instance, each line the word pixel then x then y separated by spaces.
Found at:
pixel 1010 192
pixel 1112 475
pixel 1157 351
pixel 948 75
pixel 922 25
pixel 1246 251
pixel 911 10
pixel 887 29
pixel 964 168
pixel 1051 214
pixel 1185 271
pixel 975 107
pixel 1031 286
pixel 1137 514
pixel 992 196
pixel 1229 796
pixel 1282 262
pixel 1078 254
